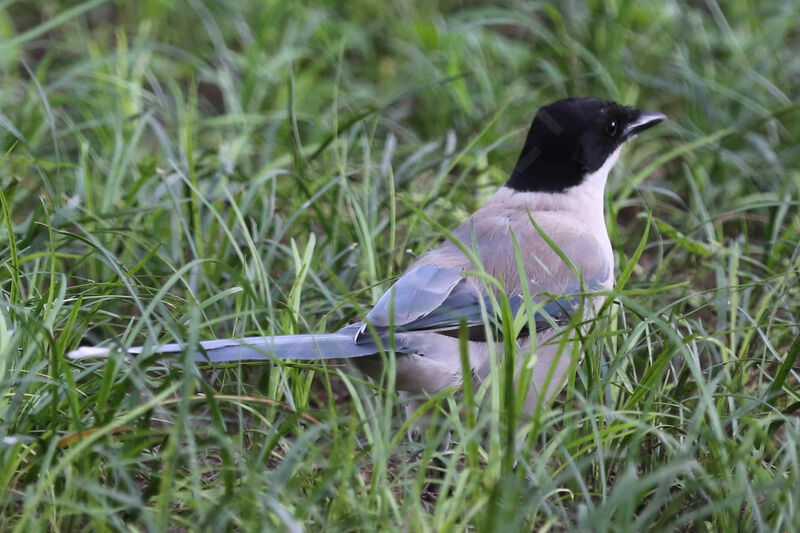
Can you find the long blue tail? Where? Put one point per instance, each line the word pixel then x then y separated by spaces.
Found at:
pixel 303 347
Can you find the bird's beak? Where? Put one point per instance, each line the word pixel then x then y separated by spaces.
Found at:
pixel 641 121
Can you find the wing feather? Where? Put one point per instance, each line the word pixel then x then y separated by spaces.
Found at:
pixel 435 294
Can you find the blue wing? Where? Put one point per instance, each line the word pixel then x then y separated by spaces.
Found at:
pixel 432 298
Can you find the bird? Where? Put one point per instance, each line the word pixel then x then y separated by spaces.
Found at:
pixel 542 236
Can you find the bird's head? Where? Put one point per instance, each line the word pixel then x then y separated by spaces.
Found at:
pixel 573 139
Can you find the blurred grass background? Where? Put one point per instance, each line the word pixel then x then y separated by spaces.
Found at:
pixel 176 171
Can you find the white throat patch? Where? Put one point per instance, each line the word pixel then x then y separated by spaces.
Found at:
pixel 585 200
pixel 597 179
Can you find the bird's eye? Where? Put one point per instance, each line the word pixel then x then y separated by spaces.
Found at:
pixel 611 128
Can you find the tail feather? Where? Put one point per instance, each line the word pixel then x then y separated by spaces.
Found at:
pixel 303 347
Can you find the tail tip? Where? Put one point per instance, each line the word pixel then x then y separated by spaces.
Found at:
pixel 89 352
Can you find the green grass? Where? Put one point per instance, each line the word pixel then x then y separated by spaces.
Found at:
pixel 191 170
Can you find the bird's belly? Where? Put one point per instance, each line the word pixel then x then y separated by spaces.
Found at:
pixel 435 364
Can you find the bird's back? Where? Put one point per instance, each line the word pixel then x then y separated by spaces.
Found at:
pixel 493 230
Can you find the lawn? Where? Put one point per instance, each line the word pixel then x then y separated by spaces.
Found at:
pixel 188 170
